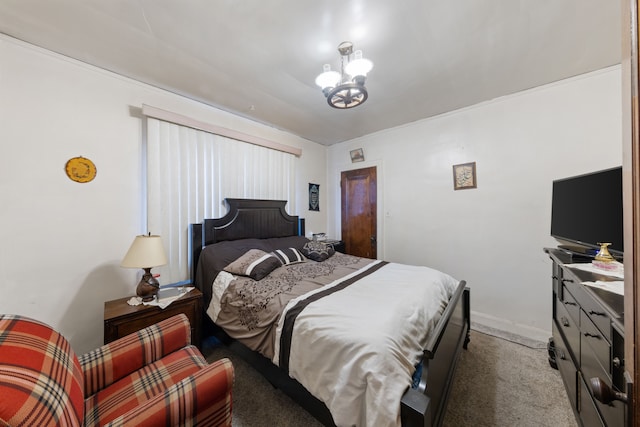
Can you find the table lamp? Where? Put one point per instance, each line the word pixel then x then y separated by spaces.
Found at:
pixel 146 252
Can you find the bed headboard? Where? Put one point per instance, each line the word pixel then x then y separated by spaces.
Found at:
pixel 247 218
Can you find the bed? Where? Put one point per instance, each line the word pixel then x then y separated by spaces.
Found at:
pixel 288 353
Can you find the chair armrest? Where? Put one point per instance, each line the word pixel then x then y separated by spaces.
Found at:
pixel 107 364
pixel 202 399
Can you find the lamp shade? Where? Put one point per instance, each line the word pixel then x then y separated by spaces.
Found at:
pixel 145 252
pixel 328 79
pixel 359 66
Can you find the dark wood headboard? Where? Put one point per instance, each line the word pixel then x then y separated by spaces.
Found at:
pixel 247 218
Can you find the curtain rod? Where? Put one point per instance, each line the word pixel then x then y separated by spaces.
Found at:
pixel 179 119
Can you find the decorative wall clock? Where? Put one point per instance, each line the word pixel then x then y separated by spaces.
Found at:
pixel 80 169
pixel 464 176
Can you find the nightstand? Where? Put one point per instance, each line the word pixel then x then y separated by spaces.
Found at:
pixel 338 245
pixel 121 319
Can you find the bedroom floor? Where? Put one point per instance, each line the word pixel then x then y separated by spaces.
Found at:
pixel 498 383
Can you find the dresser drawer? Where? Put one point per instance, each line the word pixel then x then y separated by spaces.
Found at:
pixel 589 414
pixel 153 316
pixel 595 349
pixel 591 307
pixel 595 356
pixel 565 365
pixel 570 331
pixel 570 304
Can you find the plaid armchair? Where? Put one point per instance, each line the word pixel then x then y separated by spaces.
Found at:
pixel 150 378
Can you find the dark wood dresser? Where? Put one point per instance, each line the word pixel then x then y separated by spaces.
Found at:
pixel 588 339
pixel 121 319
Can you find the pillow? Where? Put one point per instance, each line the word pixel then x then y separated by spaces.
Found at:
pixel 255 263
pixel 288 256
pixel 318 251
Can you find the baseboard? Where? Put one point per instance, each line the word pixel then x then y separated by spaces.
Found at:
pixel 511 331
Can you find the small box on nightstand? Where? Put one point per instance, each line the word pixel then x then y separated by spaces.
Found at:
pixel 122 319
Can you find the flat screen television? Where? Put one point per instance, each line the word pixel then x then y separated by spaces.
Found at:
pixel 587 210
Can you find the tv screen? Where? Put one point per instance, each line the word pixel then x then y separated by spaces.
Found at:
pixel 587 209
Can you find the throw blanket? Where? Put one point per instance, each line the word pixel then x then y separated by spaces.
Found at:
pixel 353 344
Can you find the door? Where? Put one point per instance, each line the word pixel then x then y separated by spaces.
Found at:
pixel 631 200
pixel 359 212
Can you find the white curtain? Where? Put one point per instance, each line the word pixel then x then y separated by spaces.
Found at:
pixel 189 174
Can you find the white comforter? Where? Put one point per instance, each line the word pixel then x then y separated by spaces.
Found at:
pixel 356 349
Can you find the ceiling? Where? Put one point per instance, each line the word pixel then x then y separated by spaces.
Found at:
pixel 259 59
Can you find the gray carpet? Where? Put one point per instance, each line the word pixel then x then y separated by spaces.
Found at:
pixel 498 382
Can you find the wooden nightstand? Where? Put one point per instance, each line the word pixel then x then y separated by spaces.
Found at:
pixel 338 245
pixel 121 319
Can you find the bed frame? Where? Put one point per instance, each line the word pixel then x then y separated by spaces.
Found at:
pixel 423 406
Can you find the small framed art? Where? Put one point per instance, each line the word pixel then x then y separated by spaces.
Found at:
pixel 314 197
pixel 464 176
pixel 357 155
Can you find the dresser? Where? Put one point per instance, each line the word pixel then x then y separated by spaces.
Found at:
pixel 588 339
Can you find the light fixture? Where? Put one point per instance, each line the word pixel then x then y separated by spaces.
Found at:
pixel 146 252
pixel 346 88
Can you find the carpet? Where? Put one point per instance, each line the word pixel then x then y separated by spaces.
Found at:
pixel 498 382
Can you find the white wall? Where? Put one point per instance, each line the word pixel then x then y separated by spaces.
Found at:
pixel 491 236
pixel 61 242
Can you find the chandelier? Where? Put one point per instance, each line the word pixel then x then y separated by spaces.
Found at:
pixel 346 88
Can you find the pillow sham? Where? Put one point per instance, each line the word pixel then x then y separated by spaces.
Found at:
pixel 289 256
pixel 255 263
pixel 318 251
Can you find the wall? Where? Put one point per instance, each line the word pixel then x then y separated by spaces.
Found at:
pixel 61 242
pixel 491 236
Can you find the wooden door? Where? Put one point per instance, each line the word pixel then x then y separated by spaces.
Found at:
pixel 631 200
pixel 359 212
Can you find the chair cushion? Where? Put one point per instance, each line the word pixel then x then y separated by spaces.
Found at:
pixel 137 388
pixel 40 376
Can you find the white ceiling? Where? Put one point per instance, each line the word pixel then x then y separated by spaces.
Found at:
pixel 259 58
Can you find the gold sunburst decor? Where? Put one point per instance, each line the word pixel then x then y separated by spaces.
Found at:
pixel 80 169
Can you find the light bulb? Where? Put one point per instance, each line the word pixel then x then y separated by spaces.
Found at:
pixel 328 79
pixel 359 66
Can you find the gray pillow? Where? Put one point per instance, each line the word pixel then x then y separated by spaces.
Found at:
pixel 318 251
pixel 289 256
pixel 255 263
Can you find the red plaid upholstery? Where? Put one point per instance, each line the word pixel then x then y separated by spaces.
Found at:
pixel 209 388
pixel 149 378
pixel 40 377
pixel 107 364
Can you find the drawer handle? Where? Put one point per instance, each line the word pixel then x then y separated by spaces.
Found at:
pixel 564 321
pixel 604 393
pixel 590 335
pixel 567 280
pixel 570 303
pixel 597 313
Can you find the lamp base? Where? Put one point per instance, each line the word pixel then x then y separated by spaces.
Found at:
pixel 148 286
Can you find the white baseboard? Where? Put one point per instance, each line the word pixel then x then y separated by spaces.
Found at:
pixel 509 327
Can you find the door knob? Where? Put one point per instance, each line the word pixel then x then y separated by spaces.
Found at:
pixel 604 393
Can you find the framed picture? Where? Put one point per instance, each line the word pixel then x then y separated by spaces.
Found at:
pixel 464 176
pixel 357 155
pixel 314 197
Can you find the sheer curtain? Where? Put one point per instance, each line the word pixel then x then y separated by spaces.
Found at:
pixel 189 174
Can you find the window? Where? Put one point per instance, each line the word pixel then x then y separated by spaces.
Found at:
pixel 189 174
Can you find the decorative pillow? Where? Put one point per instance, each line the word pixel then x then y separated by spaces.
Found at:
pixel 288 256
pixel 318 251
pixel 255 263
